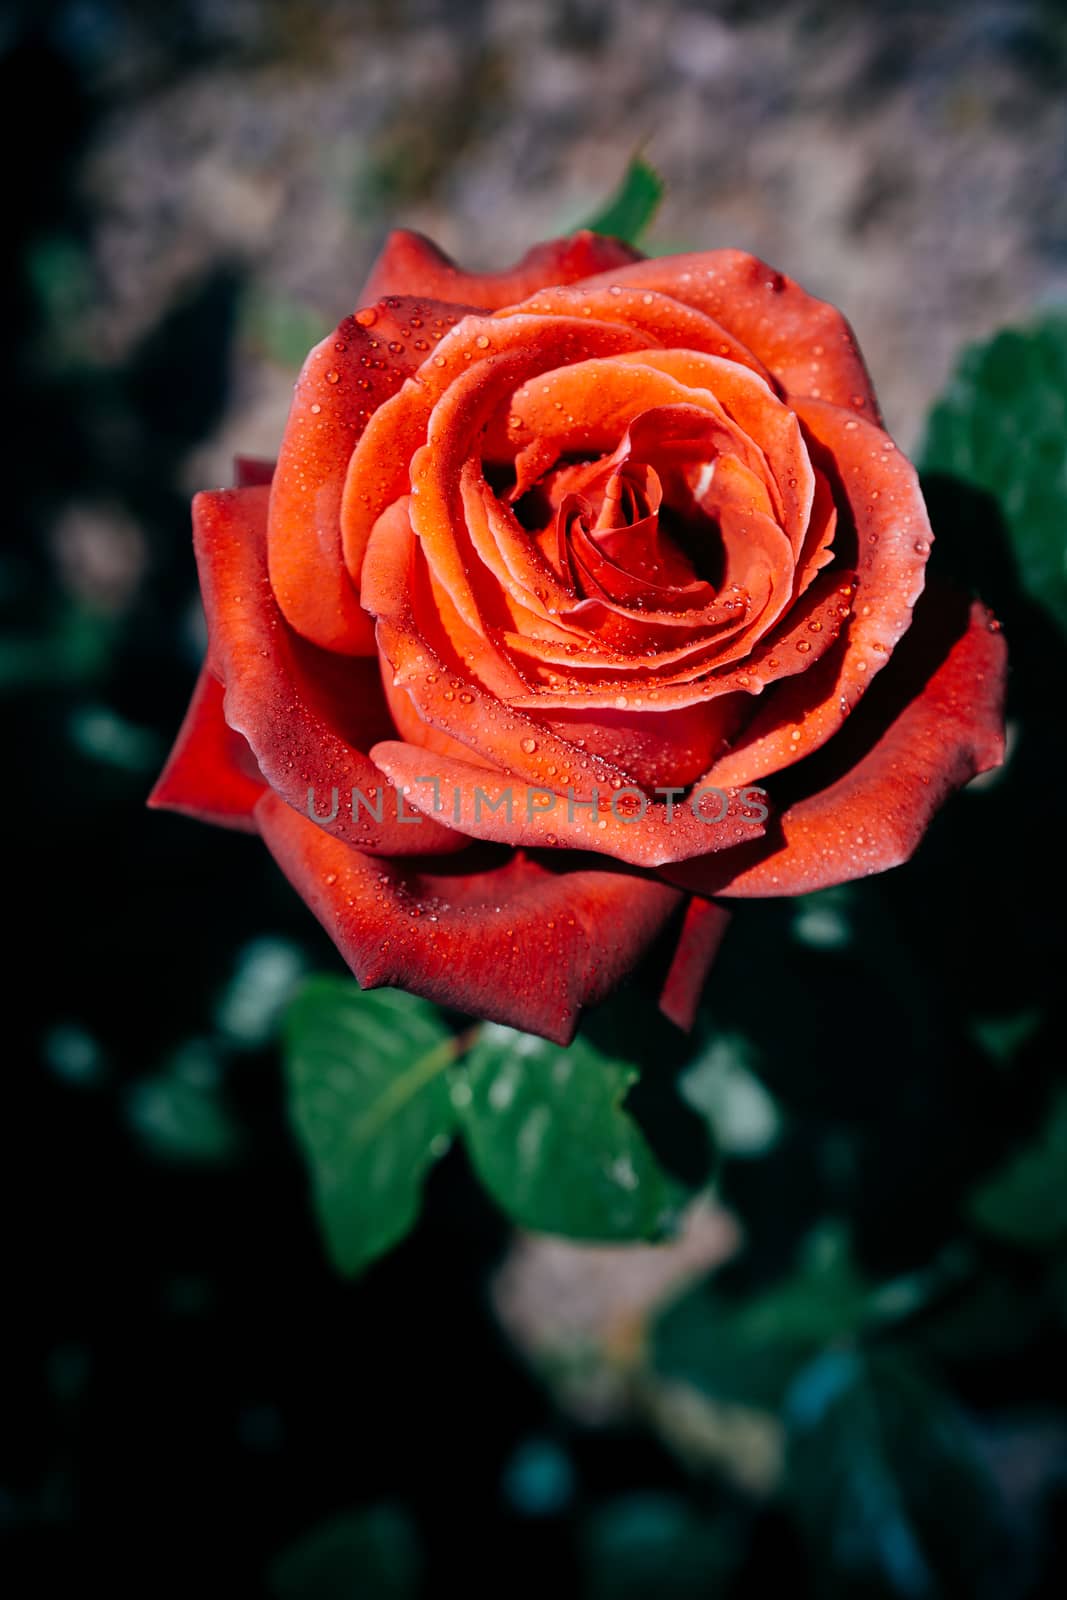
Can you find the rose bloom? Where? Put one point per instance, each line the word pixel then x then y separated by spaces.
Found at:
pixel 595 528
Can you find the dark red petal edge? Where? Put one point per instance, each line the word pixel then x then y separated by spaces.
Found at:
pixel 210 773
pixel 514 941
pixel 412 264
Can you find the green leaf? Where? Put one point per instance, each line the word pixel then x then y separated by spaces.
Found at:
pixel 633 205
pixel 370 1103
pixel 1026 1201
pixel 371 1553
pixel 549 1138
pixel 884 1482
pixel 1001 426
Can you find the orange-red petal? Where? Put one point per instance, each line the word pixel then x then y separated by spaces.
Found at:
pixel 864 803
pixel 210 773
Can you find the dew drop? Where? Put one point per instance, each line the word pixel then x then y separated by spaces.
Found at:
pixel 333 377
pixel 482 341
pixel 367 317
pixel 529 745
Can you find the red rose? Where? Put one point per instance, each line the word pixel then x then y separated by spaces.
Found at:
pixel 594 524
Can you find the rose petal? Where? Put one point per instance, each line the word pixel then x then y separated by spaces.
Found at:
pixel 412 264
pixel 807 632
pixel 454 703
pixel 344 380
pixel 702 933
pixel 504 936
pixel 664 318
pixel 769 428
pixel 210 773
pixel 892 540
pixel 806 343
pixel 934 721
pixel 307 714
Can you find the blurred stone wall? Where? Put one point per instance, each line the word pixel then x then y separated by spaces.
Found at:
pixel 908 162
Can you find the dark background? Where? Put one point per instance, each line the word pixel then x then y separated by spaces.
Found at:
pixel 193 194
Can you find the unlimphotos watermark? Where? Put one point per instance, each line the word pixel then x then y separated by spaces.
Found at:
pixel 708 804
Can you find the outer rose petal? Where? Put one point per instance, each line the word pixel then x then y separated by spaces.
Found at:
pixel 342 384
pixel 806 343
pixel 210 773
pixel 308 715
pixel 871 794
pixel 412 264
pixel 702 933
pixel 509 939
